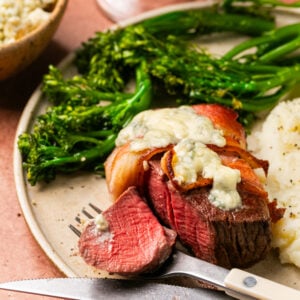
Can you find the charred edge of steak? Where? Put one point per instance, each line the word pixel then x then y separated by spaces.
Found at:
pixel 243 244
pixel 236 238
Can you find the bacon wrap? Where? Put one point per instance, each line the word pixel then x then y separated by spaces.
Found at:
pixel 125 168
pixel 245 163
pixel 167 163
pixel 276 213
pixel 254 162
pixel 225 119
pixel 249 180
pixel 233 154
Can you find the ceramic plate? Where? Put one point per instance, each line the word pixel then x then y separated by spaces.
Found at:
pixel 50 208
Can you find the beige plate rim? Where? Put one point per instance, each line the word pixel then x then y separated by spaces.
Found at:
pixel 69 264
pixel 25 122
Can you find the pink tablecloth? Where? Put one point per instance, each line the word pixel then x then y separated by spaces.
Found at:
pixel 20 255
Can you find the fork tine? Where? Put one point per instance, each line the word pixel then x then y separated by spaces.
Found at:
pixel 86 213
pixel 95 208
pixel 75 230
pixel 77 219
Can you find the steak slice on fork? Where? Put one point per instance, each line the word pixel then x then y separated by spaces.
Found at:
pixel 127 238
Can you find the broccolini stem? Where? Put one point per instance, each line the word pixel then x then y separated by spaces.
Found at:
pixel 278 3
pixel 206 21
pixel 122 112
pixel 271 46
pixel 99 133
pixel 84 157
pixel 280 51
pixel 285 76
pixel 142 98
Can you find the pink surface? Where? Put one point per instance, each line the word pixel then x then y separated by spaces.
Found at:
pixel 20 255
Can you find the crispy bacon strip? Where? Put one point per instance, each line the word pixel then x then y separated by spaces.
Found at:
pixel 249 180
pixel 167 163
pixel 225 119
pixel 276 213
pixel 125 168
pixel 253 162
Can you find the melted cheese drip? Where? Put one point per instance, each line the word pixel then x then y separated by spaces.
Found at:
pixel 163 127
pixel 190 132
pixel 101 223
pixel 194 159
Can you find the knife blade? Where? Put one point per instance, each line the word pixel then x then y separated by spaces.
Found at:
pixel 90 289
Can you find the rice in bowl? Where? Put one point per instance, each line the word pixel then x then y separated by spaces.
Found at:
pixel 278 141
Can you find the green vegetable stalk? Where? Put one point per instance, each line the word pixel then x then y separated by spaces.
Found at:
pixel 272 46
pixel 87 111
pixel 77 136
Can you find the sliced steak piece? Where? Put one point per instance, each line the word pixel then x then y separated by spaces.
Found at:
pixel 236 238
pixel 132 242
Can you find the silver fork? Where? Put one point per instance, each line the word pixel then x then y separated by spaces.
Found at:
pixel 236 283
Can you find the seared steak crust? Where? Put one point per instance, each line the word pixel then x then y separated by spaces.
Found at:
pixel 136 242
pixel 236 238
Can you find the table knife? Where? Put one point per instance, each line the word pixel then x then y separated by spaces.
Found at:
pixel 92 289
pixel 236 283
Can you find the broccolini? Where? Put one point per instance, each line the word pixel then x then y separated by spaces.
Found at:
pixel 87 111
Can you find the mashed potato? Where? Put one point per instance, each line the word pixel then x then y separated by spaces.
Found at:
pixel 19 17
pixel 278 141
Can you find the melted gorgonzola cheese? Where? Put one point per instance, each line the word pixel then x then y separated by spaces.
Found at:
pixel 193 158
pixel 162 127
pixel 189 132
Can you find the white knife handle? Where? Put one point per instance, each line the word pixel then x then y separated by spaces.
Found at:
pixel 258 287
